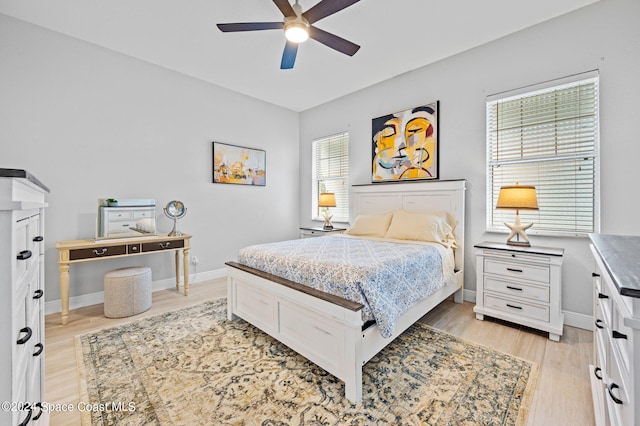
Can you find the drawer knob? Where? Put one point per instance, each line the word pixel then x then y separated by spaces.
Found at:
pixel 599 324
pixel 38 294
pixel 38 239
pixel 602 296
pixel 24 255
pixel 596 371
pixel 617 335
pixel 610 389
pixel 514 306
pixel 515 270
pixel 164 245
pixel 101 252
pixel 26 338
pixel 40 347
pixel 595 275
pixel 514 288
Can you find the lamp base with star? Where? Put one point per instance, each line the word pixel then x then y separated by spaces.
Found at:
pixel 518 230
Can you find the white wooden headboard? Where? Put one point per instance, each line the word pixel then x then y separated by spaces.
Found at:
pixel 416 196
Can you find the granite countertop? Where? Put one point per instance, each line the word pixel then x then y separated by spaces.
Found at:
pixel 621 256
pixel 20 173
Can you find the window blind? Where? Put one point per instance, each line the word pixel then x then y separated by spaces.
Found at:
pixel 547 138
pixel 331 174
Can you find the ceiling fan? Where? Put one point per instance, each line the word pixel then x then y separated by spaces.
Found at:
pixel 298 28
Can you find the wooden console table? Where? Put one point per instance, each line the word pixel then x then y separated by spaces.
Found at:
pixel 77 251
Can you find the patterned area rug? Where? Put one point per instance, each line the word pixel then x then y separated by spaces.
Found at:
pixel 192 366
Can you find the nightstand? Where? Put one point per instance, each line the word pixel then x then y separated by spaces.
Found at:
pixel 522 285
pixel 319 231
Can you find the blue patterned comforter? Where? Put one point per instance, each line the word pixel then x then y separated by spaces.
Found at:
pixel 386 276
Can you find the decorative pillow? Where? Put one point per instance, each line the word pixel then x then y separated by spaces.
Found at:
pixel 370 225
pixel 418 226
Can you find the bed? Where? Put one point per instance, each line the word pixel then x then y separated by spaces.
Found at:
pixel 334 331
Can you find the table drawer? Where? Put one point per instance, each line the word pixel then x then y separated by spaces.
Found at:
pixel 528 310
pixel 514 288
pixel 92 253
pixel 120 215
pixel 162 245
pixel 539 274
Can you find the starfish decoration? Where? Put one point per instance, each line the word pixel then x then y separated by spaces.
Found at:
pixel 518 229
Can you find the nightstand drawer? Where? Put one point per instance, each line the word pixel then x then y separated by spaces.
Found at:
pixel 513 288
pixel 517 270
pixel 536 312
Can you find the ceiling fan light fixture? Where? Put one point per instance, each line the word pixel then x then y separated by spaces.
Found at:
pixel 296 31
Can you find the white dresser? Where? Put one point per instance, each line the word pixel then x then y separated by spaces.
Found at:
pixel 22 203
pixel 521 285
pixel 615 375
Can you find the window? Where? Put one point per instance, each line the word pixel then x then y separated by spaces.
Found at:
pixel 331 174
pixel 548 137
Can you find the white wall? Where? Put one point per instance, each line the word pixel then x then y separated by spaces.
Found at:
pixel 91 123
pixel 604 36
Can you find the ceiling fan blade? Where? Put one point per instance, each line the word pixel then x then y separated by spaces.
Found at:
pixel 289 55
pixel 333 41
pixel 250 26
pixel 326 8
pixel 285 7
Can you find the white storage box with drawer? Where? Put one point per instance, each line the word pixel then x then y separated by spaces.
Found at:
pixel 21 298
pixel 522 285
pixel 615 381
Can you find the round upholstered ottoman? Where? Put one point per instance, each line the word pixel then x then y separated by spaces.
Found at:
pixel 127 292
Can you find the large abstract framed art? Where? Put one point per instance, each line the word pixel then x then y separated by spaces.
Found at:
pixel 405 145
pixel 239 165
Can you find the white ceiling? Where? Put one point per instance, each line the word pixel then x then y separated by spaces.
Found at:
pixel 396 37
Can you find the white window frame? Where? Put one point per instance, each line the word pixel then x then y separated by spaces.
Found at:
pixel 338 179
pixel 545 223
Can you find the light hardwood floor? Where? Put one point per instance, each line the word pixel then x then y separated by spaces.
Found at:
pixel 562 397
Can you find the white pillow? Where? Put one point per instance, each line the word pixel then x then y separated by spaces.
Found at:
pixel 370 225
pixel 418 226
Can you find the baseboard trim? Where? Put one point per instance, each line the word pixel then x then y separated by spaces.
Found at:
pixel 75 302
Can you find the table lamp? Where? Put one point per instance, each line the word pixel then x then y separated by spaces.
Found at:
pixel 326 200
pixel 518 197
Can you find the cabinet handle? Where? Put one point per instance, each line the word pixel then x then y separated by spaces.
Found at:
pixel 596 371
pixel 617 335
pixel 610 389
pixel 38 294
pixel 514 307
pixel 165 245
pixel 514 288
pixel 26 421
pixel 101 252
pixel 602 296
pixel 37 416
pixel 40 347
pixel 595 275
pixel 598 324
pixel 24 255
pixel 26 338
pixel 38 239
pixel 514 270
pixel 321 330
